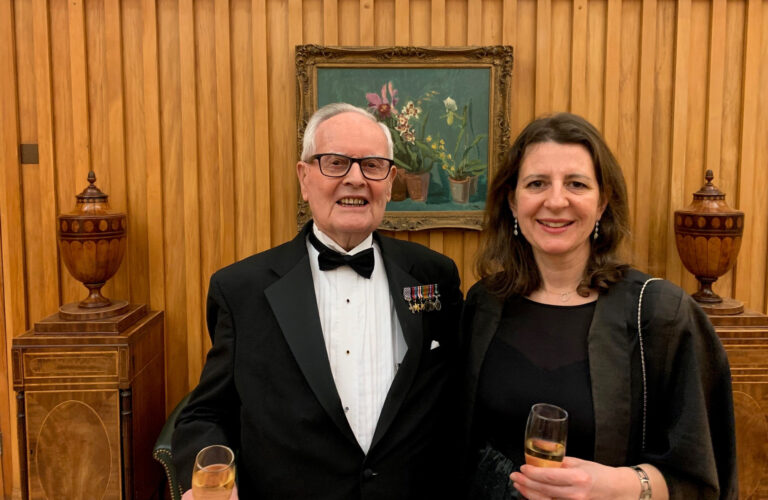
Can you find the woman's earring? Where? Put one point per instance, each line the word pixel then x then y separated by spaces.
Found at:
pixel 597 224
pixel 514 230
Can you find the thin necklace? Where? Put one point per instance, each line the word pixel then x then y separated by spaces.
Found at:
pixel 564 296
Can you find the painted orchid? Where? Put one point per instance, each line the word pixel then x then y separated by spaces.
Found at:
pixel 382 105
pixel 450 110
pixel 408 127
pixel 411 109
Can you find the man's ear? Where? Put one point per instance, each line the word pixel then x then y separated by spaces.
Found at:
pixel 302 169
pixel 391 180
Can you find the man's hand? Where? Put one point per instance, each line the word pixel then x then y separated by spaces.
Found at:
pixel 188 495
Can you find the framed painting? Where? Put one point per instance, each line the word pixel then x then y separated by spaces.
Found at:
pixel 446 108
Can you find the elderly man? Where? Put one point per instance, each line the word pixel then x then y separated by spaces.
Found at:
pixel 332 353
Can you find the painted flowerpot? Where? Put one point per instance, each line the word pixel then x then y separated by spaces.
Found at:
pixel 473 181
pixel 418 185
pixel 399 189
pixel 460 190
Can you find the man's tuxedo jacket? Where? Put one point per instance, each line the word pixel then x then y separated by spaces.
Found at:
pixel 267 390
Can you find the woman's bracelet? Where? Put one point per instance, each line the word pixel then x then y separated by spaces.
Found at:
pixel 645 483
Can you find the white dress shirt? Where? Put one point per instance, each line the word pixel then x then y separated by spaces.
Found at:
pixel 363 337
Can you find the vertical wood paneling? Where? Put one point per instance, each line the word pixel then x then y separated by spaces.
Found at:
pixel 114 122
pixel 760 209
pixel 349 15
pixel 30 174
pixel 226 178
pixel 697 105
pixel 524 75
pixel 209 139
pixel 258 174
pixel 628 106
pixel 419 28
pixel 49 298
pixel 154 215
pixel 659 219
pixel 474 22
pixel 715 79
pixel 595 64
pixel 11 228
pixel 453 247
pixel 437 18
pixel 330 21
pixel 191 188
pixel 79 78
pixel 579 58
pixel 492 32
pixel 745 268
pixel 7 465
pixel 63 146
pixel 677 194
pixel 384 12
pixel 644 132
pixel 402 22
pixel 560 70
pixel 543 56
pixel 509 27
pixel 367 23
pixel 730 121
pixel 612 73
pixel 186 110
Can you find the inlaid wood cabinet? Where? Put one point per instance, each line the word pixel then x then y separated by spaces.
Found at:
pixel 90 406
pixel 745 338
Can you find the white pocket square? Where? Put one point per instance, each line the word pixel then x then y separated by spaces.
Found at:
pixel 434 345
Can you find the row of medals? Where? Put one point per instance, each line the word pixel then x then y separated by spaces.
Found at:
pixel 422 298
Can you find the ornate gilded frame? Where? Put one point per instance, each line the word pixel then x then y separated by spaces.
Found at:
pixel 498 59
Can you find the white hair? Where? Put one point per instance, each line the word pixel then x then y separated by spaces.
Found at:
pixel 329 111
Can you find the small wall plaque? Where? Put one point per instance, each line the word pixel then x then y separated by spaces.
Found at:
pixel 29 154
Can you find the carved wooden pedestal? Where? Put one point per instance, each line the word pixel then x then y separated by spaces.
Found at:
pixel 90 406
pixel 745 337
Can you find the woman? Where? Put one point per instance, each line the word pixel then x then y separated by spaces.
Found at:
pixel 555 320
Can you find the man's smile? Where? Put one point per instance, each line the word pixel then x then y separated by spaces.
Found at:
pixel 352 202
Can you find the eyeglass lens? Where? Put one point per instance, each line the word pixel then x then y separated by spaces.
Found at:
pixel 373 168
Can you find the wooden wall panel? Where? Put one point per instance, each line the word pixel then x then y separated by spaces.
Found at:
pixel 6 461
pixel 186 110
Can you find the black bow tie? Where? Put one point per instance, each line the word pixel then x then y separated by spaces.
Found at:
pixel 361 262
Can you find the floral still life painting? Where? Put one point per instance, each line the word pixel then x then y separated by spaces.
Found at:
pixel 438 118
pixel 448 112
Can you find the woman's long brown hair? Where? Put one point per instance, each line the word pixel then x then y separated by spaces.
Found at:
pixel 506 261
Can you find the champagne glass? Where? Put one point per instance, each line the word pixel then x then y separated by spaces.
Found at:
pixel 545 435
pixel 214 475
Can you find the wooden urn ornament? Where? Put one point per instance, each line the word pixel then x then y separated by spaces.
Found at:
pixel 708 236
pixel 92 244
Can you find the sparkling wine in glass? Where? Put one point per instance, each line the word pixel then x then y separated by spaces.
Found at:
pixel 214 475
pixel 545 435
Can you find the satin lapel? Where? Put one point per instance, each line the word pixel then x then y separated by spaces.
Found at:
pixel 293 303
pixel 414 337
pixel 610 348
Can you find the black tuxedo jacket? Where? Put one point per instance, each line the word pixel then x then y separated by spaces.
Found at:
pixel 267 390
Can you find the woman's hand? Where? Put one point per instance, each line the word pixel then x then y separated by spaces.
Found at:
pixel 580 480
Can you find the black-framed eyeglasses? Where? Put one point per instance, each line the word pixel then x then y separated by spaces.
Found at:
pixel 373 168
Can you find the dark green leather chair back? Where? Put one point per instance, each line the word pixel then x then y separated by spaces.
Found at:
pixel 163 453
